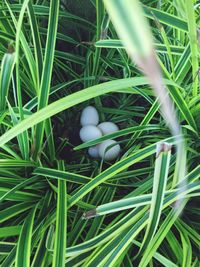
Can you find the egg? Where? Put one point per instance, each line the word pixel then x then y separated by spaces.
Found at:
pixel 89 132
pixel 93 151
pixel 108 127
pixel 89 116
pixel 113 151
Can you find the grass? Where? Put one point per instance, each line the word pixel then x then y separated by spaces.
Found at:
pixel 58 206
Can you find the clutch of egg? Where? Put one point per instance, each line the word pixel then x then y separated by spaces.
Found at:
pixel 91 130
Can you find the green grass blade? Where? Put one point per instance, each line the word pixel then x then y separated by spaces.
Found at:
pixel 36 40
pixel 15 163
pixel 10 231
pixel 160 48
pixel 195 237
pixel 14 210
pixel 163 260
pixel 183 65
pixel 61 223
pixel 43 10
pixel 187 250
pixel 160 235
pixel 40 255
pixel 189 7
pixel 110 172
pixel 50 139
pixel 17 187
pixel 9 260
pixel 69 101
pixel 22 141
pixel 166 18
pixel 63 175
pixel 106 235
pixel 159 186
pixel 174 91
pixel 130 12
pixel 7 66
pixel 47 70
pixel 119 133
pixel 119 205
pixel 89 65
pixel 111 252
pixel 141 200
pixel 24 44
pixel 23 253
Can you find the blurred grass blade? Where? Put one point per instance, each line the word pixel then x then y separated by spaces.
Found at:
pixel 47 70
pixel 128 19
pixel 23 253
pixel 61 223
pixel 131 26
pixel 173 90
pixel 163 154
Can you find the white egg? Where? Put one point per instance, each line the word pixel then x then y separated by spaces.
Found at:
pixel 89 132
pixel 113 151
pixel 93 151
pixel 89 116
pixel 108 127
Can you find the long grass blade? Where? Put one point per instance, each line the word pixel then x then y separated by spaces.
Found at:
pixel 189 7
pixel 69 101
pixel 159 186
pixel 24 244
pixel 47 70
pixel 61 223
